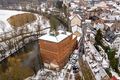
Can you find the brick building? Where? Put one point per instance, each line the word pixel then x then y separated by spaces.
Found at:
pixel 55 50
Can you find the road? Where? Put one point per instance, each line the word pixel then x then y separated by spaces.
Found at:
pixel 85 71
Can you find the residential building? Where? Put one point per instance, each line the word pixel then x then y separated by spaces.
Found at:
pixel 110 36
pixel 75 19
pixel 75 23
pixel 116 43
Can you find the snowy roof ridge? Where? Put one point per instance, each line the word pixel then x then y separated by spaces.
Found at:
pixel 57 38
pixel 72 16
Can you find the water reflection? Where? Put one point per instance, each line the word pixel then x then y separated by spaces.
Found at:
pixel 26 61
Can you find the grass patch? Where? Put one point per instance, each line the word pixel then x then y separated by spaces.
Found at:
pixel 86 71
pixel 21 19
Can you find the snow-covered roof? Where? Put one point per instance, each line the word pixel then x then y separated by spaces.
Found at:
pixel 110 2
pixel 99 26
pixel 99 5
pixel 76 1
pixel 111 17
pixel 77 31
pixel 87 21
pixel 92 8
pixel 73 5
pixel 72 16
pixel 109 24
pixel 117 6
pixel 105 64
pixel 57 38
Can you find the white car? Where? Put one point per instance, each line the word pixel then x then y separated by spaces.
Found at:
pixel 75 56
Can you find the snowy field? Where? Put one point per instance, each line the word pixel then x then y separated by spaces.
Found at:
pixel 4 15
pixel 6 27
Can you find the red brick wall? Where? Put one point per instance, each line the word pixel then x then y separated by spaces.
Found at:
pixel 58 52
pixel 47 45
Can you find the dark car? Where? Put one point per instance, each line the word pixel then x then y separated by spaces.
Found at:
pixel 75 69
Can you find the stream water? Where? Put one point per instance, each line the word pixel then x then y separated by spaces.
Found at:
pixel 29 56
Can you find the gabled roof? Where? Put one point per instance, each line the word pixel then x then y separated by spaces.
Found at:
pixel 110 36
pixel 73 16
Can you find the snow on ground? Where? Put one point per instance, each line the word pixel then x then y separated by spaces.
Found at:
pixel 6 27
pixel 115 74
pixel 97 70
pixel 4 15
pixel 76 28
pixel 66 72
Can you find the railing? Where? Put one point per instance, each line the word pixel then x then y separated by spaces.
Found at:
pixel 15 45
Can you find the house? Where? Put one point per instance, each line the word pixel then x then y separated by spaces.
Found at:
pixel 56 50
pixel 75 19
pixel 76 30
pixel 116 43
pixel 112 39
pixel 99 26
pixel 75 23
pixel 116 26
pixel 110 36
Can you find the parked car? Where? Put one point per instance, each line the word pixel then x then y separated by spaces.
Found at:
pixel 75 69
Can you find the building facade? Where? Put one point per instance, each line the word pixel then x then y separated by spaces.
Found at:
pixel 75 20
pixel 55 53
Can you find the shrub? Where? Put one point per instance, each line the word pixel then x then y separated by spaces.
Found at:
pixel 21 19
pixel 108 72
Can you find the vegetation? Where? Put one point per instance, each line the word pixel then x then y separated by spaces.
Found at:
pixel 59 4
pixel 21 19
pixel 78 77
pixel 64 19
pixel 108 72
pixel 99 41
pixel 15 71
pixel 113 61
pixel 110 52
pixel 66 13
pixel 54 25
pixel 15 68
pixel 98 37
pixel 86 71
pixel 60 16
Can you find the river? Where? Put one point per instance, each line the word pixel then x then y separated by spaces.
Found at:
pixel 29 57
